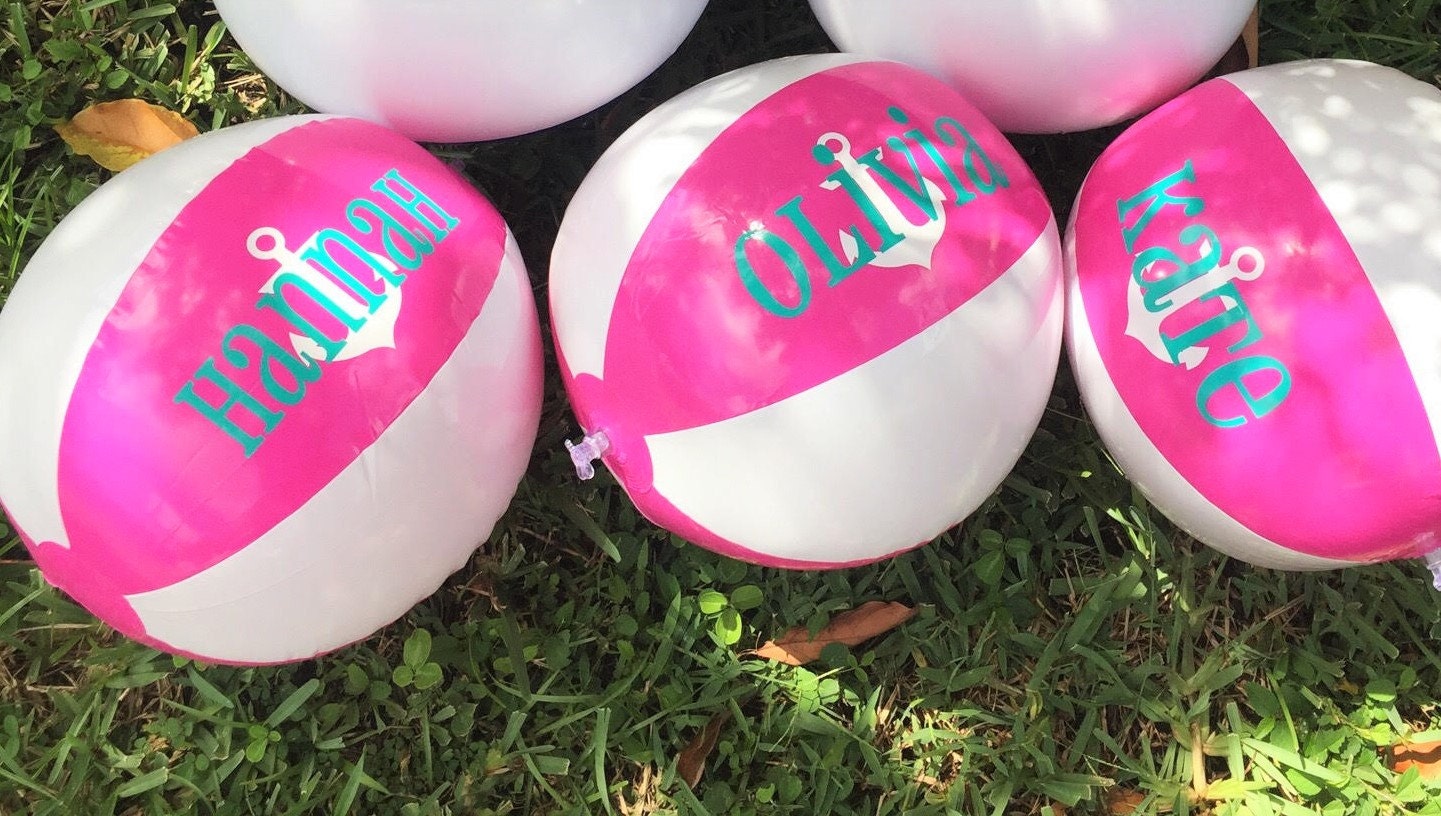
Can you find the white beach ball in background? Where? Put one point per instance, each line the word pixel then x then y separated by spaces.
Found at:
pixel 1046 66
pixel 459 70
pixel 1255 285
pixel 810 310
pixel 263 391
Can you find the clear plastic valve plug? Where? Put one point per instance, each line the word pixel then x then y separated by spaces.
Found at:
pixel 1433 563
pixel 582 455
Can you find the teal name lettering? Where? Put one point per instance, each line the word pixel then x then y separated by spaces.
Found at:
pixel 1186 303
pixel 945 167
pixel 336 297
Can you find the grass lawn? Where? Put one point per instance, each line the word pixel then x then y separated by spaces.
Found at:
pixel 1071 652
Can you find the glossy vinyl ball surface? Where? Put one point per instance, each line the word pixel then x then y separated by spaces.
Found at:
pixel 815 306
pixel 459 70
pixel 266 389
pixel 1046 66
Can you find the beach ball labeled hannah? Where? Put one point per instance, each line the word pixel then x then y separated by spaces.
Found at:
pixel 1046 66
pixel 459 70
pixel 809 311
pixel 1254 292
pixel 265 390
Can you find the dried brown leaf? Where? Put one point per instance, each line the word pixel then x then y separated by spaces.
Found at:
pixel 797 647
pixel 1252 37
pixel 1424 756
pixel 690 763
pixel 121 133
pixel 1123 801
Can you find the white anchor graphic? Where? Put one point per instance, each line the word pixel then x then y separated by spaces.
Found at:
pixel 920 241
pixel 378 329
pixel 1145 325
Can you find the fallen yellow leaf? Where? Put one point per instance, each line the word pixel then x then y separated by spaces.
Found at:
pixel 796 646
pixel 121 133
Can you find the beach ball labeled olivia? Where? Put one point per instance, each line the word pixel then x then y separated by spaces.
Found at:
pixel 1253 313
pixel 459 70
pixel 810 311
pixel 265 390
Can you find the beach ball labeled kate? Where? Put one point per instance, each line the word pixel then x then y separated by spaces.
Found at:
pixel 810 309
pixel 1255 280
pixel 459 70
pixel 265 390
pixel 1046 66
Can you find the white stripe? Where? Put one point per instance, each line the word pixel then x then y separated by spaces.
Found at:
pixel 459 70
pixel 67 291
pixel 623 192
pixel 1046 66
pixel 1369 139
pixel 891 453
pixel 406 513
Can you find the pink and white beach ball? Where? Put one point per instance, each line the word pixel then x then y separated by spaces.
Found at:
pixel 265 390
pixel 1255 284
pixel 459 70
pixel 813 308
pixel 1046 66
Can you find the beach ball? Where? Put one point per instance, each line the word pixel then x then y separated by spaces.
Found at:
pixel 459 70
pixel 808 312
pixel 1046 66
pixel 1255 284
pixel 265 390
